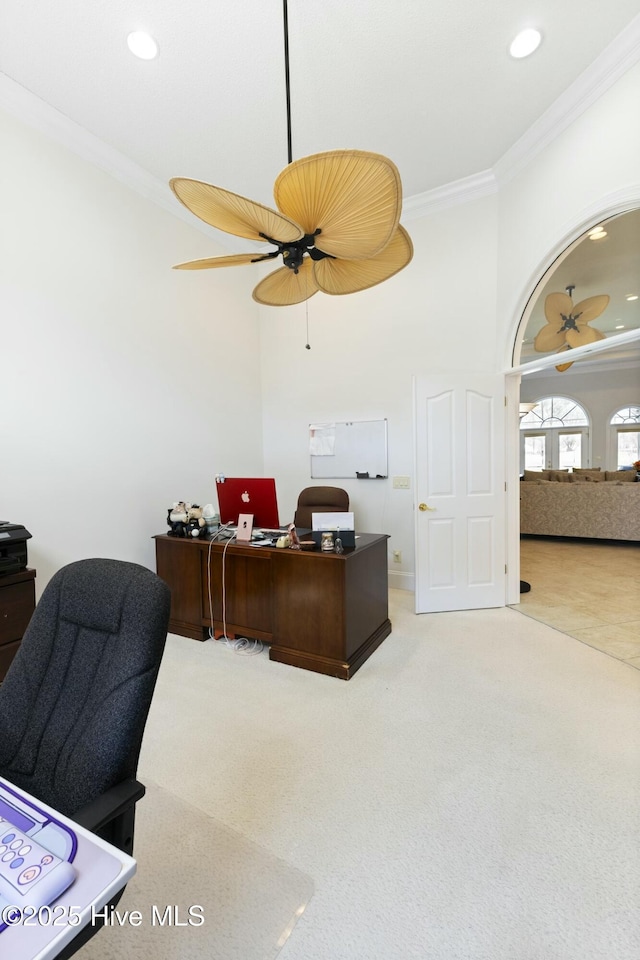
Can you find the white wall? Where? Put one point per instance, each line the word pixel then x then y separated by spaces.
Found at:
pixel 436 315
pixel 590 170
pixel 456 307
pixel 119 392
pixel 123 384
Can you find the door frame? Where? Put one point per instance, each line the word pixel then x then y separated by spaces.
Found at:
pixel 512 472
pixel 610 205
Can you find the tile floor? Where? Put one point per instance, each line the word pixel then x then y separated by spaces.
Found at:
pixel 587 589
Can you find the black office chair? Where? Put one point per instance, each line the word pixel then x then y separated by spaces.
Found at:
pixel 74 703
pixel 319 500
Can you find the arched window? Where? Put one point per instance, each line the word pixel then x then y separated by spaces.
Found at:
pixel 625 428
pixel 554 435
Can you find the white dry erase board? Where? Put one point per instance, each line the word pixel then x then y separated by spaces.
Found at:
pixel 350 448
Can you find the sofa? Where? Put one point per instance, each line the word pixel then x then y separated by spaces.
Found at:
pixel 580 504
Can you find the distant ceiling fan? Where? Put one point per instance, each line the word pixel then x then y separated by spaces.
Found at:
pixel 336 227
pixel 568 325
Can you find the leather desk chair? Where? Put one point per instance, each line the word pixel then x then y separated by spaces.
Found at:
pixel 74 703
pixel 319 500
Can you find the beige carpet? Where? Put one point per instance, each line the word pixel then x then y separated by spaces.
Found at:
pixel 473 793
pixel 227 897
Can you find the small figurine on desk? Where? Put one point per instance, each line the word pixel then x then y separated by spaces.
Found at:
pixel 177 519
pixel 195 521
pixel 185 520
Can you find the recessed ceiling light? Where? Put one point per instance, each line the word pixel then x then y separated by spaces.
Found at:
pixel 620 326
pixel 525 43
pixel 597 234
pixel 632 296
pixel 142 45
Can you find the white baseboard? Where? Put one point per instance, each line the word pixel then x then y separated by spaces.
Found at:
pixel 402 581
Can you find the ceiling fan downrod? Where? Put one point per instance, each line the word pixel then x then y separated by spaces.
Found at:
pixel 285 18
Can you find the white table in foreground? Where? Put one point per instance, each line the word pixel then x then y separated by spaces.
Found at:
pixel 101 870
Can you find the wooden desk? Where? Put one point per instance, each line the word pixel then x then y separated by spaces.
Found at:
pixel 322 611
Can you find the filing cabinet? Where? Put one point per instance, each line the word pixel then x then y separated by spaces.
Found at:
pixel 17 603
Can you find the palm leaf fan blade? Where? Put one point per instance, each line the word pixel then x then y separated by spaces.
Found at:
pixel 551 337
pixel 284 287
pixel 556 305
pixel 353 197
pixel 349 276
pixel 233 213
pixel 233 260
pixel 583 335
pixel 590 308
pixel 561 367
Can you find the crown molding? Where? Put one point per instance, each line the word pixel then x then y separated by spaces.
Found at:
pixel 450 195
pixel 621 54
pixel 615 60
pixel 19 102
pixel 31 110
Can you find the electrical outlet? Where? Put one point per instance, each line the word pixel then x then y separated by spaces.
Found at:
pixel 401 483
pixel 397 556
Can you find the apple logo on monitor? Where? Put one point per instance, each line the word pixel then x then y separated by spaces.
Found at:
pixel 245 497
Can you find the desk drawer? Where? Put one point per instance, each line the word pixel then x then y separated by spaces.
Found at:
pixel 247 590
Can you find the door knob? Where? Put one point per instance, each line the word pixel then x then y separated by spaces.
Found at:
pixel 423 507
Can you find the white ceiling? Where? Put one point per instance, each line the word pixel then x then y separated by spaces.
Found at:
pixel 428 83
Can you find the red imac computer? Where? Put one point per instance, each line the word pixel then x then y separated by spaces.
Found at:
pixel 255 495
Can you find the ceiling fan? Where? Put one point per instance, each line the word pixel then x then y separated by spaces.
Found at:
pixel 568 324
pixel 336 227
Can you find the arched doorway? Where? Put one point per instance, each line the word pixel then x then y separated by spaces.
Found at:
pixel 603 261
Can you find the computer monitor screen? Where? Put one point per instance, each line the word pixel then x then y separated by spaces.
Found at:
pixel 255 495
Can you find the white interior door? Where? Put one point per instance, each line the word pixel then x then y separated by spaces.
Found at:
pixel 460 492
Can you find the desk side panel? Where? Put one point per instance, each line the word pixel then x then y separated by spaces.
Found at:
pixel 308 603
pixel 366 595
pixel 331 611
pixel 178 564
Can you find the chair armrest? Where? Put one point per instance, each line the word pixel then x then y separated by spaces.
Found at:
pixel 109 805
